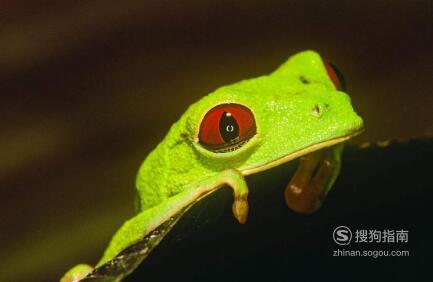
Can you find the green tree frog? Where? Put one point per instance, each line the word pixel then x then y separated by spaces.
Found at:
pixel 298 111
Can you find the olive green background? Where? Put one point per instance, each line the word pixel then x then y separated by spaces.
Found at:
pixel 88 88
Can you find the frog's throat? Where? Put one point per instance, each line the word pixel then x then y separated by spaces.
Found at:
pixel 299 153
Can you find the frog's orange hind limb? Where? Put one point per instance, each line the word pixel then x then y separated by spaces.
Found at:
pixel 313 179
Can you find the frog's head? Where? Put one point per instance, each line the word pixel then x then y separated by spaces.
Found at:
pixel 259 123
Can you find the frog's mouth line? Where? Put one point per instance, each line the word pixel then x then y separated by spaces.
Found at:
pixel 301 152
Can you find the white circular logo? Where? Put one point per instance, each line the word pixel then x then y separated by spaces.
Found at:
pixel 342 235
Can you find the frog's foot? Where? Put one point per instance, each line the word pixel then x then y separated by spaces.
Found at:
pixel 236 181
pixel 312 180
pixel 77 273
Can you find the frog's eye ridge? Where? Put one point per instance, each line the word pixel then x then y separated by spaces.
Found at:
pixel 335 75
pixel 226 127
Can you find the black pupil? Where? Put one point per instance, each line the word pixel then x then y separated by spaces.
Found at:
pixel 229 128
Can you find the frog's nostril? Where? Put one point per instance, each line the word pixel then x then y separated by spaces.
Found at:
pixel 319 109
pixel 316 111
pixel 304 80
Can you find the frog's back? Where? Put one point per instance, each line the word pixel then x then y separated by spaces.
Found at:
pixel 151 178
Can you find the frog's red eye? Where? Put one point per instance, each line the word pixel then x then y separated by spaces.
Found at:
pixel 335 75
pixel 226 127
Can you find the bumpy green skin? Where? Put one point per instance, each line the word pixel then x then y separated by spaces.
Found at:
pixel 282 105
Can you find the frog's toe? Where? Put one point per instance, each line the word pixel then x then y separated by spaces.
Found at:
pixel 77 273
pixel 240 209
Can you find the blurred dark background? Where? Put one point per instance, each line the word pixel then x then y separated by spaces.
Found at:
pixel 88 88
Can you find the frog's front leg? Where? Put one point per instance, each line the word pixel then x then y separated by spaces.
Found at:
pixel 313 179
pixel 136 228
